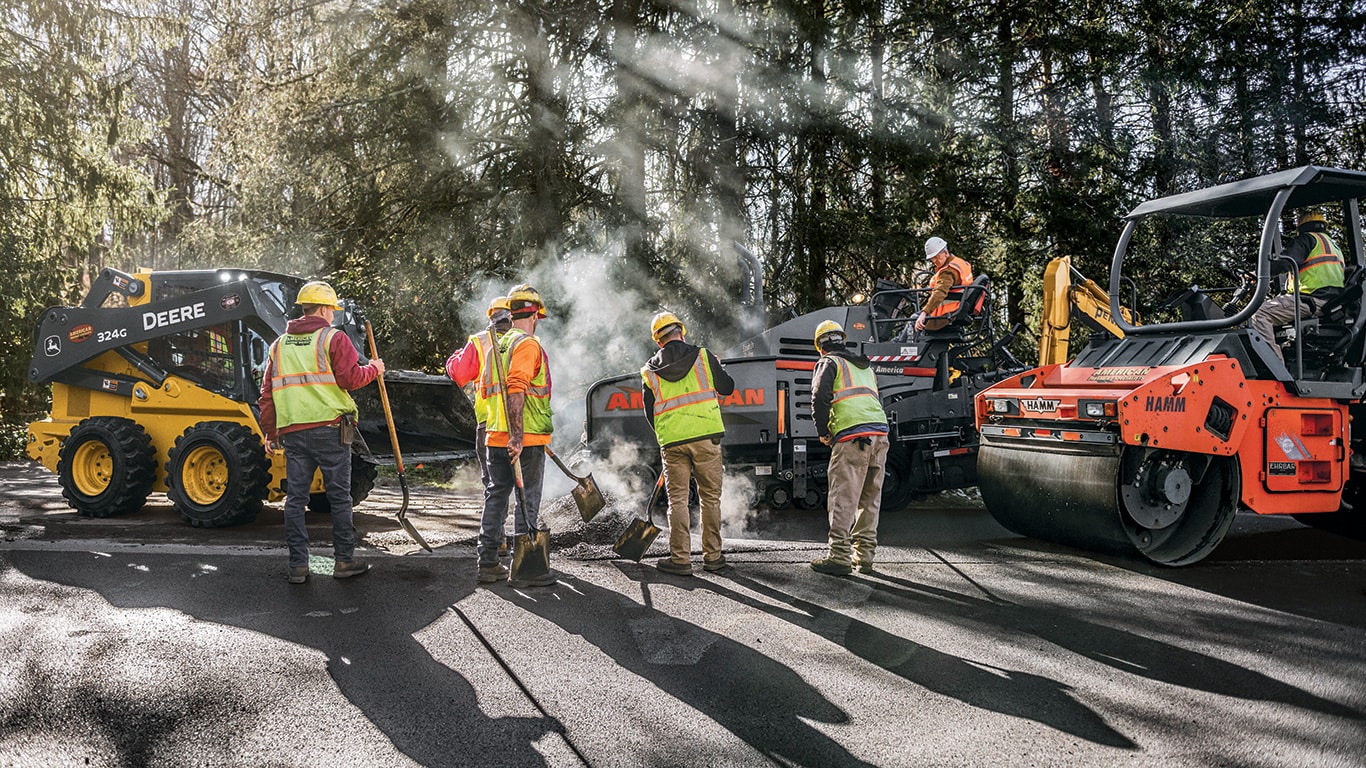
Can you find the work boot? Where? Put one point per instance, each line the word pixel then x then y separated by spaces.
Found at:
pixel 298 574
pixel 345 569
pixel 489 574
pixel 831 566
pixel 667 565
pixel 712 566
pixel 863 566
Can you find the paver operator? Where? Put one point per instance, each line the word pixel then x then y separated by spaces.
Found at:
pixel 949 271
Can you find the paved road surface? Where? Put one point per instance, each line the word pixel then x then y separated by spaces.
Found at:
pixel 141 641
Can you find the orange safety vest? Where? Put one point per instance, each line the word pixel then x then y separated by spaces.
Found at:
pixel 963 273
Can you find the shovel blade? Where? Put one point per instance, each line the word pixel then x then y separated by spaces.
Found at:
pixel 636 539
pixel 411 530
pixel 531 555
pixel 588 498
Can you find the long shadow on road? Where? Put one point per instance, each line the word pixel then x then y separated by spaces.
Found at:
pixel 761 701
pixel 365 627
pixel 1124 651
pixel 1007 691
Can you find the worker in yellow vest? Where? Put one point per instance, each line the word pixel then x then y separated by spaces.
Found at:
pixel 849 418
pixel 681 384
pixel 1318 261
pixel 519 429
pixel 307 411
pixel 465 366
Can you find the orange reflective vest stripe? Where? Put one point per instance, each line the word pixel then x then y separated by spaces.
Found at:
pixel 962 273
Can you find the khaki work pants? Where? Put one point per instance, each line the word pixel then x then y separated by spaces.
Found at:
pixel 699 460
pixel 855 498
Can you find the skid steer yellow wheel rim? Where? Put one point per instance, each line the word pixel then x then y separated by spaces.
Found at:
pixel 205 475
pixel 92 467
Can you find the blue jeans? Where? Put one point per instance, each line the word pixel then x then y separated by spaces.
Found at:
pixel 501 483
pixel 305 452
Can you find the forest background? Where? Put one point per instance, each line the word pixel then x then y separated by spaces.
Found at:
pixel 424 155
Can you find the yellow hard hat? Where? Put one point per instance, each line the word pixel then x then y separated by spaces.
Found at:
pixel 318 292
pixel 523 297
pixel 826 328
pixel 662 322
pixel 499 303
pixel 1309 216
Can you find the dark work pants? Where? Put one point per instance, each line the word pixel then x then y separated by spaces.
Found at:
pixel 501 484
pixel 305 452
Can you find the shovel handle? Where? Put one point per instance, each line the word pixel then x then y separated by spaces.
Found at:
pixel 561 465
pixel 384 399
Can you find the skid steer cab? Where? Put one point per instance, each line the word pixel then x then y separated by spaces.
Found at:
pixel 155 378
pixel 927 385
pixel 1151 443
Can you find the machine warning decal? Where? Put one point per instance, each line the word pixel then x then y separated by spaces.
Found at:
pixel 1119 373
pixel 110 384
pixel 1040 405
pixel 80 333
pixel 1160 404
pixel 52 346
pixel 1281 468
pixel 230 301
pixel 1292 447
pixel 860 326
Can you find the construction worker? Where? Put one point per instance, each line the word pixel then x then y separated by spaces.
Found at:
pixel 519 429
pixel 307 411
pixel 680 400
pixel 465 365
pixel 1319 263
pixel 849 418
pixel 949 271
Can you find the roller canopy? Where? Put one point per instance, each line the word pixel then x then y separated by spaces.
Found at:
pixel 1252 197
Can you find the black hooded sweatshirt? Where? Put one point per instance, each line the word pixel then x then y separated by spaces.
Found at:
pixel 672 362
pixel 823 392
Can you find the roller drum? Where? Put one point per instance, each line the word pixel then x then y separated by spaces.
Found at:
pixel 1063 495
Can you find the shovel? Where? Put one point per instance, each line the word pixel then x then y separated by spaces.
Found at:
pixel 398 455
pixel 640 534
pixel 586 494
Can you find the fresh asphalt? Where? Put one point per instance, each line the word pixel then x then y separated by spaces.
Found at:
pixel 142 641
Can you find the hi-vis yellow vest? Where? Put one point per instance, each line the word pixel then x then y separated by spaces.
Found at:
pixel 482 345
pixel 854 400
pixel 686 409
pixel 536 413
pixel 1322 266
pixel 302 382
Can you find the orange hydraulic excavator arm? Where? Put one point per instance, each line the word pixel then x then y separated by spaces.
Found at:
pixel 1065 292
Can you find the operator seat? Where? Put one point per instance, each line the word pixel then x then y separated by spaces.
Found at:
pixel 1333 336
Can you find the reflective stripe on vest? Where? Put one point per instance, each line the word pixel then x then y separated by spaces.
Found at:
pixel 302 383
pixel 536 413
pixel 963 274
pixel 686 409
pixel 1322 267
pixel 854 400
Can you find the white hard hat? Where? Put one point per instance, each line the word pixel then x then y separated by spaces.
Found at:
pixel 933 246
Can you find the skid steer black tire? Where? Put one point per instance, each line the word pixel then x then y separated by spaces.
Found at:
pixel 106 467
pixel 363 474
pixel 217 474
